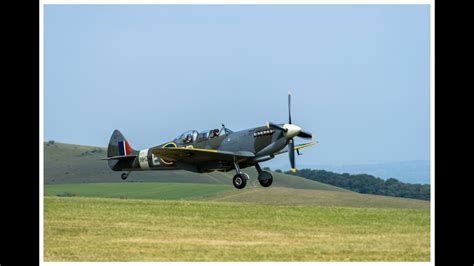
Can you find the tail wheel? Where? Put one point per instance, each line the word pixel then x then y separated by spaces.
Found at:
pixel 239 181
pixel 124 176
pixel 266 183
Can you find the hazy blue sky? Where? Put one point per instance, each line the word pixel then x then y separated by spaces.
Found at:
pixel 359 75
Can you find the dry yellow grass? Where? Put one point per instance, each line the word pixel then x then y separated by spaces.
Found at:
pixel 93 229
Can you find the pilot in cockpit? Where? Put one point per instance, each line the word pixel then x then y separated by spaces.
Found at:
pixel 188 138
pixel 214 133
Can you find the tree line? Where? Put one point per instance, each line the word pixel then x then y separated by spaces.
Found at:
pixel 367 184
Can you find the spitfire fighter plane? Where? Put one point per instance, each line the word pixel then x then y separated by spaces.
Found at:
pixel 212 150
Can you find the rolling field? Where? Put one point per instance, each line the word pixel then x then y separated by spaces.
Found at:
pixel 99 229
pixel 90 214
pixel 227 193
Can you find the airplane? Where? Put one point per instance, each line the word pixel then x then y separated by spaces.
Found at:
pixel 212 150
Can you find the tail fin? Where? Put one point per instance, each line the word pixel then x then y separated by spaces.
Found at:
pixel 119 146
pixel 120 155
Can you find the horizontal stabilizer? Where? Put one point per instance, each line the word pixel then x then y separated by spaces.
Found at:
pixel 119 157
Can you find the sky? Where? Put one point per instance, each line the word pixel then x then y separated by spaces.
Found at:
pixel 359 75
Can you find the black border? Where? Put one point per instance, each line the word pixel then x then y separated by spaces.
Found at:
pixel 20 236
pixel 453 190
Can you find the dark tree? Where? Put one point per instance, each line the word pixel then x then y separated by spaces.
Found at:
pixel 367 184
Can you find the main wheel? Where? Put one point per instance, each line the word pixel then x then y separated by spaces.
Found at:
pixel 240 180
pixel 124 176
pixel 265 179
pixel 266 183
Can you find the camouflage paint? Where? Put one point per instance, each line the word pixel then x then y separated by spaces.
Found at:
pixel 261 141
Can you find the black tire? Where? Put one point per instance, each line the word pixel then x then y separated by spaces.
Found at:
pixel 124 176
pixel 239 181
pixel 265 179
pixel 266 183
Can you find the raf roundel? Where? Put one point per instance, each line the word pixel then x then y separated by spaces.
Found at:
pixel 168 145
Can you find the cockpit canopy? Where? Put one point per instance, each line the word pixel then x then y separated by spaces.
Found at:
pixel 191 136
pixel 188 136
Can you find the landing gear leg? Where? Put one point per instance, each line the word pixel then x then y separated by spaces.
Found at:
pixel 240 179
pixel 265 178
pixel 125 175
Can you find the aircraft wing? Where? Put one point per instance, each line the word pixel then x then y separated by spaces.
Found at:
pixel 194 155
pixel 298 147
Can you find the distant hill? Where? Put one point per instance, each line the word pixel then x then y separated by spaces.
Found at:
pixel 414 172
pixel 77 171
pixel 68 163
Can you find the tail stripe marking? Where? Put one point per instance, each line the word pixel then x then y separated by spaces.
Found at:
pixel 124 148
pixel 121 148
pixel 128 148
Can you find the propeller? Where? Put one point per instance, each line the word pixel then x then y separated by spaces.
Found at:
pixel 271 125
pixel 291 153
pixel 305 135
pixel 289 107
pixel 290 131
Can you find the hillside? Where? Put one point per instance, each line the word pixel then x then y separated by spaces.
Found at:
pixel 68 164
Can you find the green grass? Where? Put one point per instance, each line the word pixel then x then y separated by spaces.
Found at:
pixel 165 191
pixel 227 193
pixel 100 229
pixel 290 196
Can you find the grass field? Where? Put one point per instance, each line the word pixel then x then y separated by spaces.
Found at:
pixel 227 193
pixel 165 191
pixel 99 229
pixel 90 214
pixel 291 196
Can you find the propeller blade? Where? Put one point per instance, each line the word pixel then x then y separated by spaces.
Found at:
pixel 305 135
pixel 289 107
pixel 291 153
pixel 271 125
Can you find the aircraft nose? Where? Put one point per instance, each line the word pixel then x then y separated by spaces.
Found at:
pixel 291 130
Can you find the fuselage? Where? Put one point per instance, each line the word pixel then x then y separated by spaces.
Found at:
pixel 264 142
